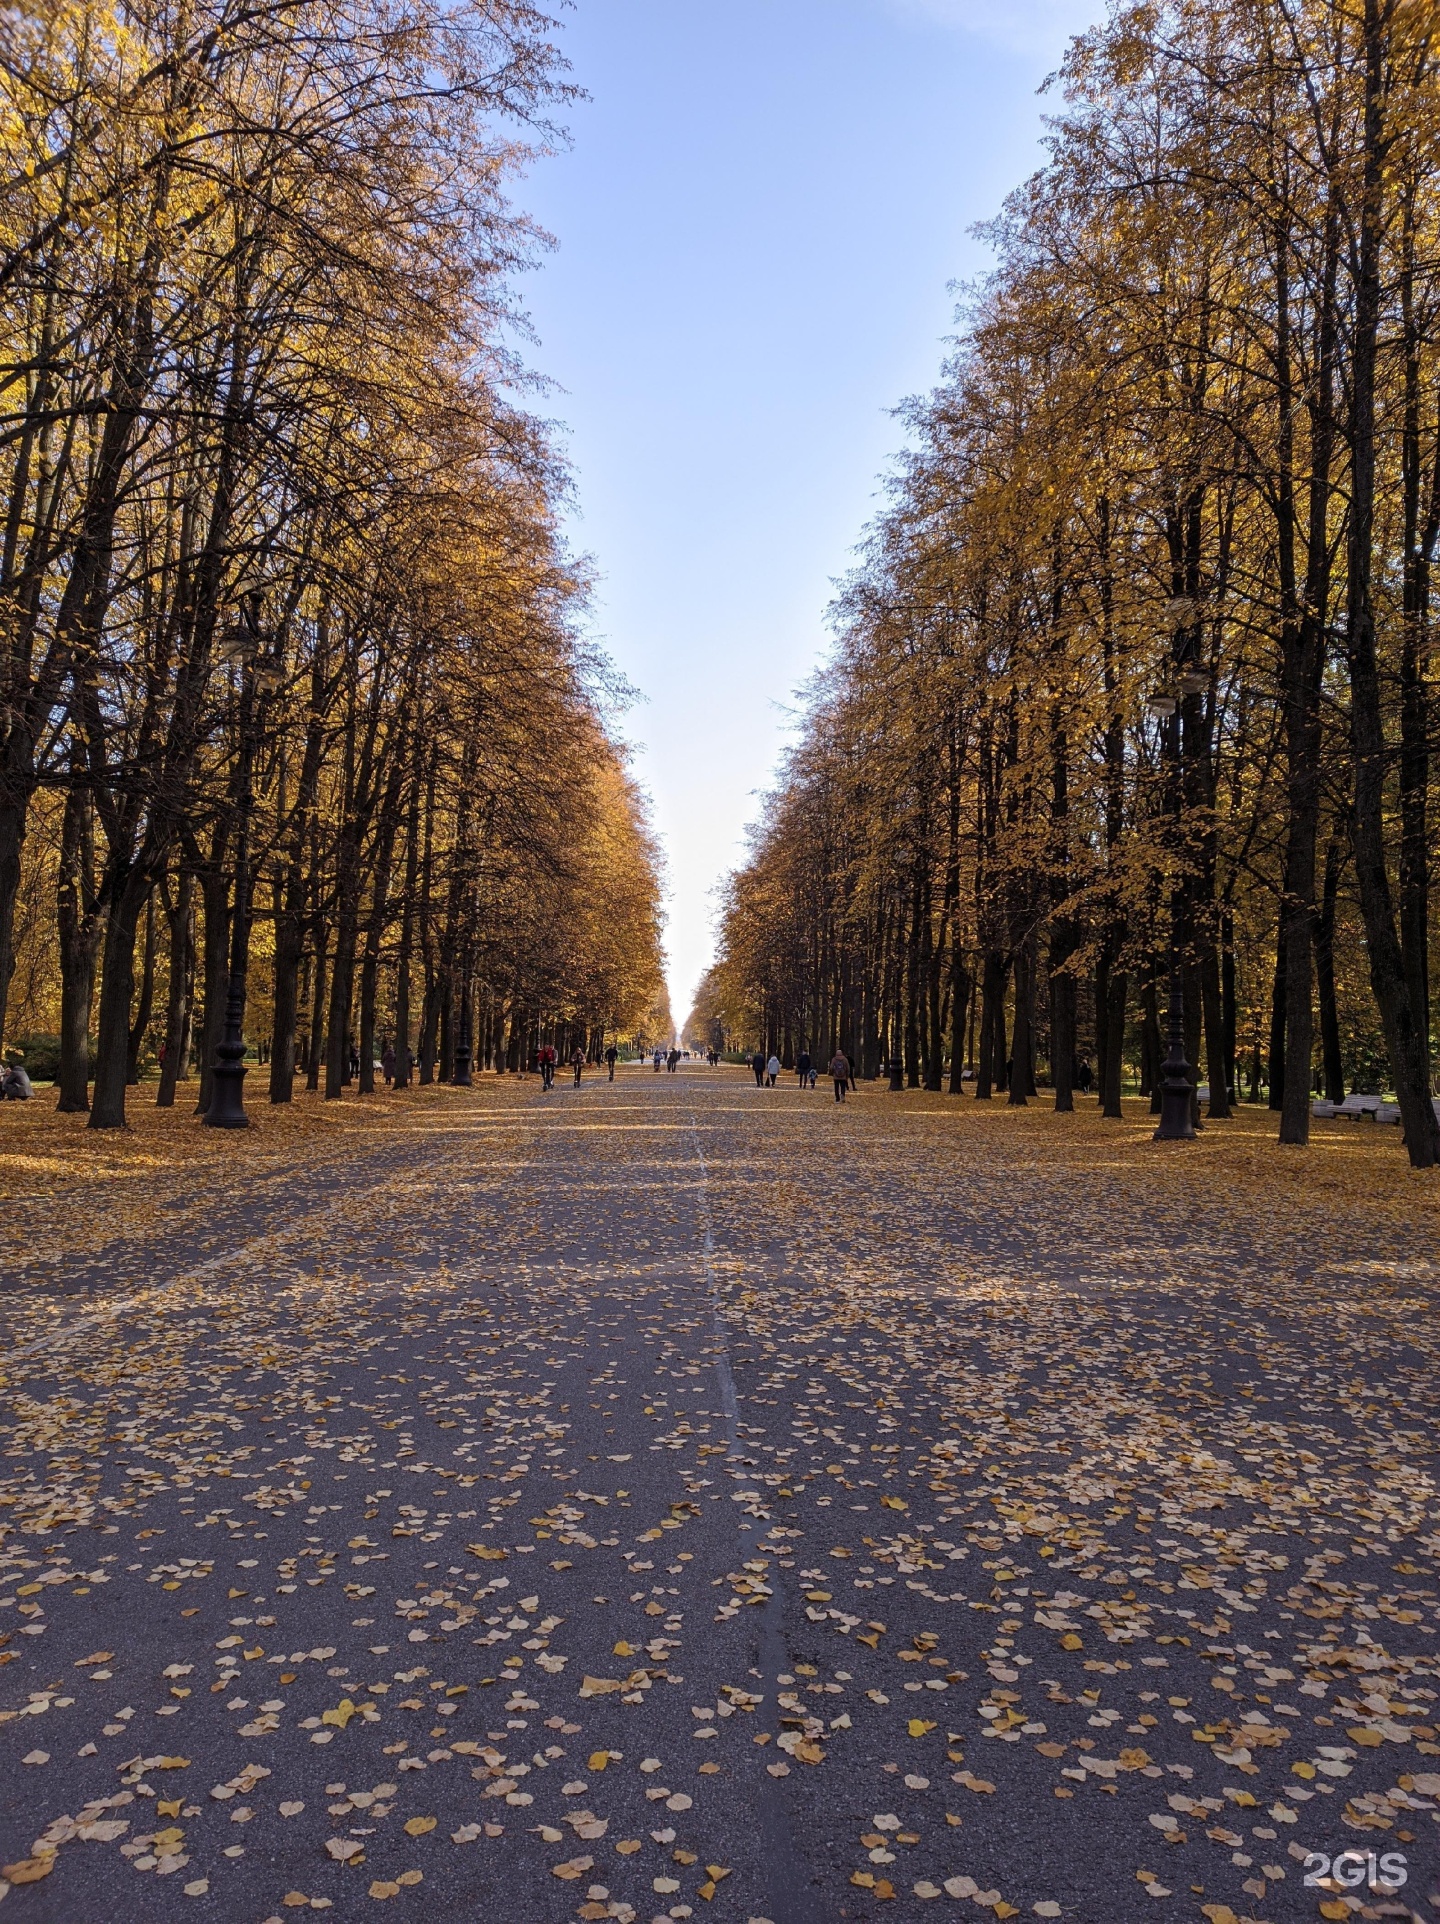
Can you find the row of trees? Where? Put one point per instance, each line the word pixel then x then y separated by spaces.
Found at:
pixel 289 667
pixel 1144 644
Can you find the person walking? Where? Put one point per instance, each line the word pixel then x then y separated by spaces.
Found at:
pixel 840 1073
pixel 772 1069
pixel 658 1060
pixel 802 1068
pixel 612 1056
pixel 757 1063
pixel 577 1062
pixel 387 1064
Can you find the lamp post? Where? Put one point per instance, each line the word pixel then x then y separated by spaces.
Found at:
pixel 464 1052
pixel 1177 1087
pixel 240 646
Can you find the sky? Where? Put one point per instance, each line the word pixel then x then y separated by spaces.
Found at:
pixel 758 225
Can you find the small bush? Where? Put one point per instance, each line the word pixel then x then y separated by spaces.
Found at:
pixel 38 1056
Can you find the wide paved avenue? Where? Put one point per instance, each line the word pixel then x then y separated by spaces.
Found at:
pixel 677 1499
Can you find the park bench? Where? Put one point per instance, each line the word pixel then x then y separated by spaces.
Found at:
pixel 1353 1108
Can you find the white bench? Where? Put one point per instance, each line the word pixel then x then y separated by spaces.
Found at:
pixel 1356 1107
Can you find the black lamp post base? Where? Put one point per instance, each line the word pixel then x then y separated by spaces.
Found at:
pixel 227 1098
pixel 1176 1102
pixel 227 1093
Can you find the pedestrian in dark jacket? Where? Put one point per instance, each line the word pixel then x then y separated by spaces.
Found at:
pixel 840 1073
pixel 757 1063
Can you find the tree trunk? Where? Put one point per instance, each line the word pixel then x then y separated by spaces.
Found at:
pixel 1330 1049
pixel 215 895
pixel 80 922
pixel 1277 1021
pixel 1217 1065
pixel 147 997
pixel 1022 1043
pixel 1228 1002
pixel 319 990
pixel 1404 1031
pixel 992 1024
pixel 289 952
pixel 177 1005
pixel 117 986
pixel 1152 1047
pixel 961 985
pixel 342 984
pixel 1113 1059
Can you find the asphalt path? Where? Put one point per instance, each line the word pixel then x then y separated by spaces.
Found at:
pixel 677 1499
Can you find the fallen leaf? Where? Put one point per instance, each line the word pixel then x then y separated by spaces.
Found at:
pixel 572 1868
pixel 29 1870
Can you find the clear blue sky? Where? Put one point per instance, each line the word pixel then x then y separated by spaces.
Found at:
pixel 758 222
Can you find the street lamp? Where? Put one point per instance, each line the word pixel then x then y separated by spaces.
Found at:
pixel 1177 1089
pixel 240 646
pixel 463 1049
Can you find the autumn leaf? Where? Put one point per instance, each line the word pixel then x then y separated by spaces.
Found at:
pixel 29 1870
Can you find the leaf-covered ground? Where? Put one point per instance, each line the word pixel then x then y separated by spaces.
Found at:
pixel 681 1499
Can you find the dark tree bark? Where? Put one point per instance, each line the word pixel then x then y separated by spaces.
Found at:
pixel 1111 985
pixel 319 990
pixel 215 897
pixel 146 1003
pixel 181 917
pixel 1022 1041
pixel 1333 1059
pixel 962 983
pixel 117 988
pixel 992 1025
pixel 291 894
pixel 80 920
pixel 1404 1030
pixel 1277 1020
pixel 1152 1046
